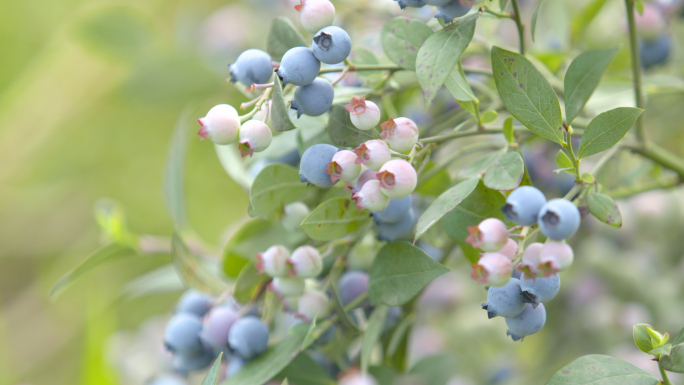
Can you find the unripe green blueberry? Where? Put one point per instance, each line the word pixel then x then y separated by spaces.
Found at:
pixel 221 124
pixel 287 286
pixel 373 154
pixel 490 235
pixel 493 269
pixel 316 14
pixel 371 197
pixel 397 178
pixel 294 214
pixel 313 303
pixel 344 166
pixel 363 114
pixel 273 261
pixel 531 259
pixel 554 257
pixel 305 262
pixel 255 136
pixel 401 134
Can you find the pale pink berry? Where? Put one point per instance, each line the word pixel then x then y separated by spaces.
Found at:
pixel 316 14
pixel 373 154
pixel 493 269
pixel 490 235
pixel 305 262
pixel 273 261
pixel 287 286
pixel 357 378
pixel 510 249
pixel 221 125
pixel 397 178
pixel 651 22
pixel 371 197
pixel 364 114
pixel 401 134
pixel 554 257
pixel 343 166
pixel 312 303
pixel 363 178
pixel 255 136
pixel 531 259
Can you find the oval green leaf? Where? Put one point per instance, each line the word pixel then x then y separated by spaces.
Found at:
pixel 598 369
pixel 376 324
pixel 212 376
pixel 446 202
pixel 675 361
pixel 605 130
pixel 280 118
pixel 604 209
pixel 505 173
pixel 583 77
pixel 247 283
pixel 266 366
pixel 435 369
pixel 341 130
pixel 334 219
pixel 281 37
pixel 303 370
pixel 276 185
pixel 401 38
pixel 458 86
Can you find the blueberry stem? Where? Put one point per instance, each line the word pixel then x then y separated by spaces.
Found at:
pixel 500 15
pixel 636 72
pixel 261 100
pixel 521 28
pixel 658 184
pixel 666 381
pixel 573 157
pixel 342 75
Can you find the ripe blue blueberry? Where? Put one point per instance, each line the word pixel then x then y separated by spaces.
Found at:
pixel 235 364
pixel 452 10
pixel 654 52
pixel 559 219
pixel 331 45
pixel 530 321
pixel 299 66
pixel 314 99
pixel 351 285
pixel 437 2
pixel 505 301
pixel 248 337
pixel 168 380
pixel 410 3
pixel 192 301
pixel 183 333
pixel 539 290
pixel 391 232
pixel 312 168
pixel 251 67
pixel 523 205
pixel 190 362
pixel 395 211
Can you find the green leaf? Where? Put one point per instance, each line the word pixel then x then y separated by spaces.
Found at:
pixel 563 160
pixel 502 4
pixel 482 203
pixel 598 369
pixel 642 338
pixel 343 317
pixel 508 130
pixel 605 130
pixel 458 86
pixel 604 209
pixel 583 77
pixel 400 333
pixel 401 38
pixel 440 53
pixel 174 174
pixel 675 361
pixel 264 367
pixel 383 374
pixel 584 17
pixel 469 252
pixel 111 219
pixel 489 116
pixel 446 202
pixel 376 323
pixel 276 185
pixel 527 94
pixel 280 118
pixel 505 173
pixel 303 370
pixel 399 272
pixel 212 376
pixel 663 350
pixel 341 130
pixel 191 270
pixel 231 161
pixel 334 219
pixel 679 338
pixel 435 369
pixel 282 36
pixel 101 255
pixel 534 18
pixel 639 5
pixel 248 283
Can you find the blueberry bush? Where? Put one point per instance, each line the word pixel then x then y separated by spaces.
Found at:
pixel 358 202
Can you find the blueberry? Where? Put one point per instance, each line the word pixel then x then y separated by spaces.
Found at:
pixel 314 99
pixel 190 362
pixel 397 178
pixel 252 67
pixel 505 301
pixel 391 232
pixel 331 45
pixel 182 333
pixel 393 316
pixel 351 285
pixel 654 52
pixel 437 2
pixel 410 3
pixel 193 301
pixel 451 11
pixel 235 364
pixel 530 321
pixel 559 219
pixel 299 66
pixel 539 290
pixel 523 205
pixel 312 168
pixel 316 14
pixel 248 337
pixel 168 380
pixel 395 211
pixel 216 325
pixel 358 378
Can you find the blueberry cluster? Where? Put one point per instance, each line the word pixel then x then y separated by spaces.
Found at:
pixel 201 329
pixel 521 280
pixel 222 126
pixel 446 9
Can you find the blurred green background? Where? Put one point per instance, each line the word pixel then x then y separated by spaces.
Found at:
pixel 90 92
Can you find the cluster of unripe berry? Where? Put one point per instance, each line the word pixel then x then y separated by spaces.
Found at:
pixel 446 9
pixel 521 280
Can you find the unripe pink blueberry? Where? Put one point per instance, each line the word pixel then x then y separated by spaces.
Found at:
pixel 401 134
pixel 554 257
pixel 287 286
pixel 397 178
pixel 510 249
pixel 650 23
pixel 216 324
pixel 305 262
pixel 364 114
pixel 316 14
pixel 373 154
pixel 344 166
pixel 490 235
pixel 531 259
pixel 221 124
pixel 493 269
pixel 255 136
pixel 312 303
pixel 273 261
pixel 357 378
pixel 371 197
pixel 365 176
